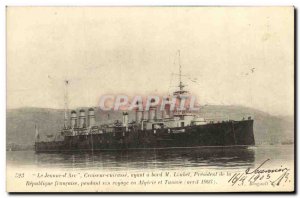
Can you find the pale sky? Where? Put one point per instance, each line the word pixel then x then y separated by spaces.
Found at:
pixel 132 51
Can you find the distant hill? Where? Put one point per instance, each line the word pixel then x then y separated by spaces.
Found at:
pixel 268 129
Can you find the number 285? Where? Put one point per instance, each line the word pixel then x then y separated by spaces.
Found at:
pixel 19 175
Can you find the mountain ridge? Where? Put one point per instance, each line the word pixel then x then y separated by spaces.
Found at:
pixel 20 122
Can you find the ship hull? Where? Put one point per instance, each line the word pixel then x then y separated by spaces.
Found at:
pixel 231 133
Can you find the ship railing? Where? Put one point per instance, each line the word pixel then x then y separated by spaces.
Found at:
pixel 226 119
pixel 86 132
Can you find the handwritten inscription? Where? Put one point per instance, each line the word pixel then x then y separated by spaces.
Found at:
pixel 261 176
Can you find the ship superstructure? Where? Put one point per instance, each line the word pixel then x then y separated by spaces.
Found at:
pixel 155 128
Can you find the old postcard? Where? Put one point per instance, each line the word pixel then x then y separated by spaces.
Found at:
pixel 150 99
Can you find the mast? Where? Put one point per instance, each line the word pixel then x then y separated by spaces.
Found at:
pixel 66 109
pixel 37 135
pixel 181 93
pixel 181 86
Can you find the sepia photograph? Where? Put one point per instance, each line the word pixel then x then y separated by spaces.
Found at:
pixel 150 99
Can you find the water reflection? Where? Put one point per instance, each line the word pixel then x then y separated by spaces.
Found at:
pixel 213 157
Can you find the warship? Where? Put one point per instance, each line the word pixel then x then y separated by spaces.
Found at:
pixel 170 129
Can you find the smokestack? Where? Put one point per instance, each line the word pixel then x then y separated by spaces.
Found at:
pixel 139 114
pixel 73 119
pixel 151 113
pixel 156 112
pixel 125 120
pixel 91 117
pixel 163 114
pixel 82 119
pixel 167 111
